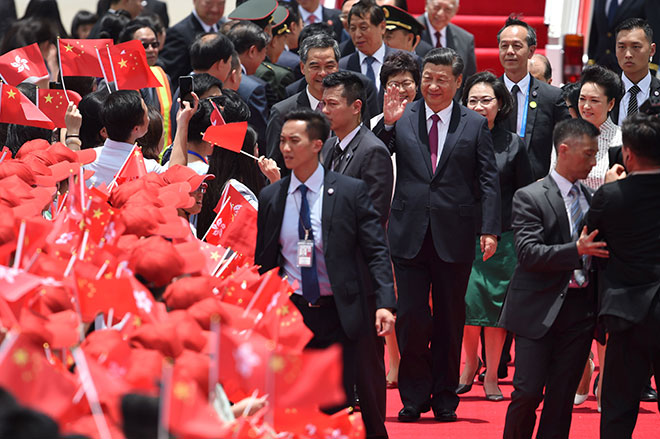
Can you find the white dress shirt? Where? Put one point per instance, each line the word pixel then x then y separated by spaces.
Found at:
pixel 206 27
pixel 313 102
pixel 289 232
pixel 110 157
pixel 379 56
pixel 642 96
pixel 443 125
pixel 564 189
pixel 343 143
pixel 523 84
pixel 318 13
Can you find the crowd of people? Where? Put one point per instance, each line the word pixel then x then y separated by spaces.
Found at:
pixel 305 177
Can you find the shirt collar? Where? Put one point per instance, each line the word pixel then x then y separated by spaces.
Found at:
pixel 523 83
pixel 313 102
pixel 313 183
pixel 349 138
pixel 318 12
pixel 445 114
pixel 120 146
pixel 644 85
pixel 378 54
pixel 564 185
pixel 433 30
pixel 205 26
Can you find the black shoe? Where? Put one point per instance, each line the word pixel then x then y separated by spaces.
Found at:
pixel 408 414
pixel 482 377
pixel 503 370
pixel 595 389
pixel 648 394
pixel 463 388
pixel 444 415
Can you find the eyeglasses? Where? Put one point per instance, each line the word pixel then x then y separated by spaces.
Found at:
pixel 153 45
pixel 485 101
pixel 403 84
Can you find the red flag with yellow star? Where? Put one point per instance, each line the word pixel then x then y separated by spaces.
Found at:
pixel 79 57
pixel 16 108
pixel 132 169
pixel 53 103
pixel 99 295
pixel 130 68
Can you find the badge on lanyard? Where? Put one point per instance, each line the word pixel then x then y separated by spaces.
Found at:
pixel 305 253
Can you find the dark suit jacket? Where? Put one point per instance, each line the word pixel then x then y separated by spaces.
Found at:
pixel 253 92
pixel 331 16
pixel 627 216
pixel 274 127
pixel 447 200
pixel 602 40
pixel 653 91
pixel 349 223
pixel 458 39
pixel 547 257
pixel 550 108
pixel 423 48
pixel 292 61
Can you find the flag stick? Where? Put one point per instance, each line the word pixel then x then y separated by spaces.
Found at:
pixel 81 254
pixel 114 179
pixel 70 265
pixel 165 395
pixel 92 395
pixel 254 298
pixel 4 154
pixel 215 356
pixel 81 181
pixel 222 207
pixel 19 245
pixel 102 270
pixel 3 78
pixel 112 67
pixel 249 155
pixel 98 56
pixel 231 258
pixel 222 260
pixel 59 58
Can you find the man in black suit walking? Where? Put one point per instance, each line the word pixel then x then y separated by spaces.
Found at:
pixel 538 106
pixel 355 151
pixel 315 225
pixel 550 305
pixel 205 17
pixel 447 192
pixel 312 11
pixel 626 214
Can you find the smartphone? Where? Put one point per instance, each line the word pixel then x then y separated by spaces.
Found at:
pixel 55 85
pixel 186 89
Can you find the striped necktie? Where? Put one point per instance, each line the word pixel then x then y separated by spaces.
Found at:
pixel 632 103
pixel 579 275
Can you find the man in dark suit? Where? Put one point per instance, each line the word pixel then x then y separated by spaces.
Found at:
pixel 355 151
pixel 550 305
pixel 314 225
pixel 447 192
pixel 634 47
pixel 312 11
pixel 440 32
pixel 205 17
pixel 537 105
pixel 607 15
pixel 626 214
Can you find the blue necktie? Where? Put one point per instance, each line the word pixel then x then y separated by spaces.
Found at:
pixel 370 71
pixel 611 12
pixel 310 279
pixel 579 275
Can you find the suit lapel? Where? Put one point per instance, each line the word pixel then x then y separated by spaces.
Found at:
pixel 279 203
pixel 449 37
pixel 556 201
pixel 420 132
pixel 531 109
pixel 351 150
pixel 329 189
pixel 454 132
pixel 354 63
pixel 303 100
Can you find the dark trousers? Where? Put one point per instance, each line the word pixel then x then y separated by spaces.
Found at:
pixel 631 355
pixel 556 362
pixel 430 342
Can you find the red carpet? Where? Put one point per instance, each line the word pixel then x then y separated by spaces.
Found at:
pixel 478 418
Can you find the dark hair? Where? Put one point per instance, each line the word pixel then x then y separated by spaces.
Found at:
pixel 445 56
pixel 150 142
pixel 112 25
pixel 122 111
pixel 317 127
pixel 133 26
pixel 246 34
pixel 641 133
pixel 200 121
pixel 155 20
pixel 604 77
pixel 367 8
pixel 635 23
pixel 294 14
pixel 315 29
pixel 547 72
pixel 225 165
pixel 232 106
pixel 46 10
pixel 353 87
pixel 504 98
pixel 208 49
pixel 573 129
pixel 514 21
pixel 203 82
pixel 140 416
pixel 317 41
pixel 90 108
pixel 571 92
pixel 82 18
pixel 399 62
pixel 24 423
pixel 28 31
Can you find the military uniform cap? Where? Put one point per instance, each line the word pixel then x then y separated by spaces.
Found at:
pixel 260 12
pixel 397 18
pixel 280 19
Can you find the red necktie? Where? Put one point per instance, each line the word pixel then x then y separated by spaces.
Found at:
pixel 312 19
pixel 438 42
pixel 433 141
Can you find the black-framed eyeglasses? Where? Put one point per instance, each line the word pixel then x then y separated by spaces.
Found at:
pixel 153 45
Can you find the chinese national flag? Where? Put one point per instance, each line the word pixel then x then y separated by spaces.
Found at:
pixel 16 108
pixel 53 104
pixel 25 372
pixel 79 57
pixel 229 136
pixel 23 64
pixel 129 65
pixel 99 295
pixel 132 169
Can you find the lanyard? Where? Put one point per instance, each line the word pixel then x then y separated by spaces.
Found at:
pixel 523 123
pixel 198 155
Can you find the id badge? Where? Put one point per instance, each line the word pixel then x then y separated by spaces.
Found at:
pixel 305 253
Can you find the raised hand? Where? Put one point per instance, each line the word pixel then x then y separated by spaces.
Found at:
pixel 393 105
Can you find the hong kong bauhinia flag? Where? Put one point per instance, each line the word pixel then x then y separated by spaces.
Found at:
pixel 23 64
